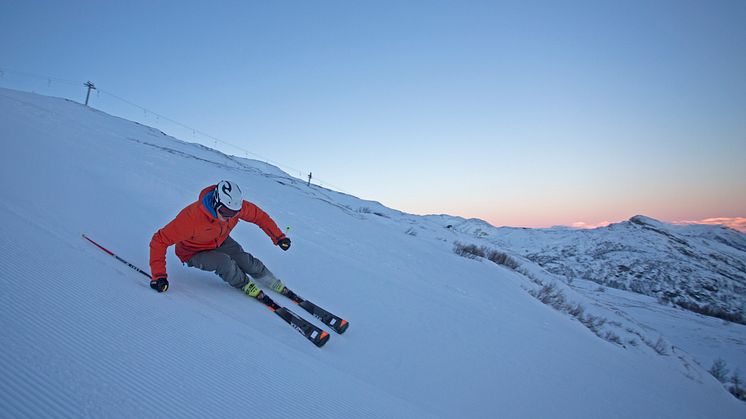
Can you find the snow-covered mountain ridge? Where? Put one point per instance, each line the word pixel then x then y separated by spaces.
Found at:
pixel 698 267
pixel 432 334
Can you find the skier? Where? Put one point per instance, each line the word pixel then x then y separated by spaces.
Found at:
pixel 201 235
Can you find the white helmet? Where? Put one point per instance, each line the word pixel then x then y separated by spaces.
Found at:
pixel 228 194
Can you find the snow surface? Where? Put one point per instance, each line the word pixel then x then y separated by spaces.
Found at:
pixel 431 334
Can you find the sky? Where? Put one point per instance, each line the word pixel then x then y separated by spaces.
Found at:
pixel 530 113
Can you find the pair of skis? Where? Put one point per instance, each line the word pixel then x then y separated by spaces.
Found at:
pixel 316 335
pixel 310 331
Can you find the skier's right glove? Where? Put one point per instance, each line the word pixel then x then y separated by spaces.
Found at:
pixel 160 284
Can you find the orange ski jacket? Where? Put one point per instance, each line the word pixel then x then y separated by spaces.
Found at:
pixel 197 229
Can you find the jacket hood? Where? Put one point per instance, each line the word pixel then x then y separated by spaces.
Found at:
pixel 207 196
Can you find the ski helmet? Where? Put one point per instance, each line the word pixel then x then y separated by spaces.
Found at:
pixel 228 194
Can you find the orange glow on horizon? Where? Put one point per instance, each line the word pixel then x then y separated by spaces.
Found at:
pixel 736 223
pixel 584 225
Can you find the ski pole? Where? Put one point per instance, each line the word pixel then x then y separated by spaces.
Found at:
pixel 117 257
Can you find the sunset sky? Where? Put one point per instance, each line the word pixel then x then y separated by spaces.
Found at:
pixel 530 113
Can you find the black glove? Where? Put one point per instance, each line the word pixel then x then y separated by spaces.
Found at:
pixel 160 284
pixel 284 243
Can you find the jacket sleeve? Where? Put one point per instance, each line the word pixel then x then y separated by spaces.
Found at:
pixel 179 229
pixel 254 214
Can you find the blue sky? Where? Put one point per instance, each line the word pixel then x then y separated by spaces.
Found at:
pixel 520 113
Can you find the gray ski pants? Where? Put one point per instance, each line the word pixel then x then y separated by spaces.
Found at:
pixel 232 264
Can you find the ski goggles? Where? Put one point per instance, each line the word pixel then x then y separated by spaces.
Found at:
pixel 227 212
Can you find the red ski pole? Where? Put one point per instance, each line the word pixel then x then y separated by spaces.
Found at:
pixel 117 257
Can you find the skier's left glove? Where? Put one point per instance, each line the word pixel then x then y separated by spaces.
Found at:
pixel 160 284
pixel 284 243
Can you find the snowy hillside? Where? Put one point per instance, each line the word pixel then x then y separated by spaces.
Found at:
pixel 432 334
pixel 698 267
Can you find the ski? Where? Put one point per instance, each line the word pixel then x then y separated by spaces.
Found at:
pixel 317 336
pixel 337 323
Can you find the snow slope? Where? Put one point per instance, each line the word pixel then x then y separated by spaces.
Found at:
pixel 432 334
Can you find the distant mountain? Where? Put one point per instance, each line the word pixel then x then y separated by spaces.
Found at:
pixel 698 267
